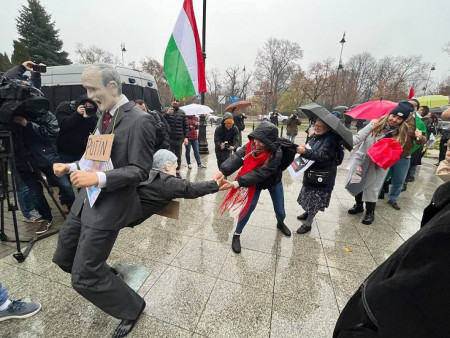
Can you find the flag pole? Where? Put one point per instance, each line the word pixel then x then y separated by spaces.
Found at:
pixel 202 141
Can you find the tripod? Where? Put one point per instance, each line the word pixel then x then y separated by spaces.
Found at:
pixel 9 193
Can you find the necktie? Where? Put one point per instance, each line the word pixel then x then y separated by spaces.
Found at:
pixel 106 120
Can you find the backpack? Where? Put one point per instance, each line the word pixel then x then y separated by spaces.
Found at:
pixel 289 150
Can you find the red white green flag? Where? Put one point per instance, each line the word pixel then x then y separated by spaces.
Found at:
pixel 183 60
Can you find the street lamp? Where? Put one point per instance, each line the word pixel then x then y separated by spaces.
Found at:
pixel 202 141
pixel 122 47
pixel 340 66
pixel 429 74
pixel 244 89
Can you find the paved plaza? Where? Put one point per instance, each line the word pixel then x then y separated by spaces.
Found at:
pixel 198 287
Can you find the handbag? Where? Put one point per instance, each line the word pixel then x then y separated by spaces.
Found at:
pixel 318 177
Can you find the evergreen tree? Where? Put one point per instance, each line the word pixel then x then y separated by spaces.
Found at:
pixel 39 35
pixel 5 64
pixel 20 53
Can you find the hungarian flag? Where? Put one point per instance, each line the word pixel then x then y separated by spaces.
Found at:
pixel 183 60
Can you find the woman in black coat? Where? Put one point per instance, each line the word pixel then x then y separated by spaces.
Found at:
pixel 318 181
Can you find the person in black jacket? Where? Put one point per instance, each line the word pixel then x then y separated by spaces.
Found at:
pixel 274 117
pixel 76 123
pixel 179 130
pixel 407 295
pixel 162 186
pixel 260 160
pixel 239 122
pixel 318 181
pixel 226 139
pixel 162 135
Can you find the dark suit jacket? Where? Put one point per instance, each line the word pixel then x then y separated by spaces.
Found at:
pixel 132 158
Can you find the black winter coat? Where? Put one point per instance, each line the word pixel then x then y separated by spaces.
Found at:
pixel 161 188
pixel 74 129
pixel 38 138
pixel 407 295
pixel 324 151
pixel 17 72
pixel 263 177
pixel 221 134
pixel 179 128
pixel 162 135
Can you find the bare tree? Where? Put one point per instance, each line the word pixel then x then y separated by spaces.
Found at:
pixel 94 54
pixel 318 80
pixel 154 68
pixel 214 85
pixel 275 63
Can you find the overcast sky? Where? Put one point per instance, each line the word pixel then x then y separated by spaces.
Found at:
pixel 237 28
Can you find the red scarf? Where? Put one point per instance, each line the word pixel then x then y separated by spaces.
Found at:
pixel 243 196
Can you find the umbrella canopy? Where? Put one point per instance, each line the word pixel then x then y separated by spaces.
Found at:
pixel 433 100
pixel 341 108
pixel 436 110
pixel 238 106
pixel 371 109
pixel 196 109
pixel 314 111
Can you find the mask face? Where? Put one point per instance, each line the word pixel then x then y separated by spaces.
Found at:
pixel 105 97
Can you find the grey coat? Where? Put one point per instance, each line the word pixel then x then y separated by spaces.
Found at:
pixel 373 176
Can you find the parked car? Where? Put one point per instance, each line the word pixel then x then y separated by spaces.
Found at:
pixel 63 83
pixel 213 118
pixel 281 118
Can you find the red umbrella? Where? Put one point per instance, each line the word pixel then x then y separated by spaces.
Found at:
pixel 239 105
pixel 371 110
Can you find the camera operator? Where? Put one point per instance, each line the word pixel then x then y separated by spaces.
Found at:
pixel 76 122
pixel 226 138
pixel 162 135
pixel 179 130
pixel 18 72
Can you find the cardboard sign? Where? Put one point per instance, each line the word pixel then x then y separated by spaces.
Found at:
pixel 171 210
pixel 99 147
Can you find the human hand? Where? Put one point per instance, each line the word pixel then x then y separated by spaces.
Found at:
pixel 20 120
pixel 374 122
pixel 226 185
pixel 358 170
pixel 218 176
pixel 230 148
pixel 82 111
pixel 28 65
pixel 222 146
pixel 186 141
pixel 170 111
pixel 60 169
pixel 83 179
pixel 418 134
pixel 301 149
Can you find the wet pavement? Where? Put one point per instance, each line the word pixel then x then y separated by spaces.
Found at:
pixel 197 286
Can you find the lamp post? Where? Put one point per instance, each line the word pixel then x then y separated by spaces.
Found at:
pixel 244 89
pixel 202 141
pixel 122 48
pixel 339 68
pixel 428 80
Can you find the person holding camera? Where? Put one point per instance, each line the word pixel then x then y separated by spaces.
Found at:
pixel 18 72
pixel 292 126
pixel 226 139
pixel 179 130
pixel 76 122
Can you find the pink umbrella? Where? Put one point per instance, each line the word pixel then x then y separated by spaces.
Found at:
pixel 371 110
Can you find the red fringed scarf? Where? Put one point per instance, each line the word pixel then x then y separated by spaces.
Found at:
pixel 243 196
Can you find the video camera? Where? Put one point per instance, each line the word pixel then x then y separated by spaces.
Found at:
pixel 20 99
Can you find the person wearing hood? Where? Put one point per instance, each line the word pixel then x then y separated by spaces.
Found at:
pixel 226 138
pixel 391 125
pixel 76 122
pixel 260 162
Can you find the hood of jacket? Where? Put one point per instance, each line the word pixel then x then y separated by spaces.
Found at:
pixel 267 133
pixel 226 116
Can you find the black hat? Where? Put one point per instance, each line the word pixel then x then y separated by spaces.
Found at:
pixel 403 110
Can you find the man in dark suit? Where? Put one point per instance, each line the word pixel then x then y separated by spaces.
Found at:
pixel 89 233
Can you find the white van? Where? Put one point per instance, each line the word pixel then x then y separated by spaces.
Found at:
pixel 63 83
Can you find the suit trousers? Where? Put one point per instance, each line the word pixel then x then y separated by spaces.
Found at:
pixel 83 251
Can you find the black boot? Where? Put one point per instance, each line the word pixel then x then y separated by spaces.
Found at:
pixel 284 229
pixel 356 209
pixel 304 229
pixel 369 217
pixel 236 243
pixel 303 216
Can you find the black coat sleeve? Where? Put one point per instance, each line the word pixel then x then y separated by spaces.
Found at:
pixel 177 188
pixel 260 174
pixel 185 126
pixel 15 72
pixel 44 127
pixel 234 162
pixel 326 152
pixel 70 120
pixel 235 137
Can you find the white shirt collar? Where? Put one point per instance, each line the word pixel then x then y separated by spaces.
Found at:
pixel 121 102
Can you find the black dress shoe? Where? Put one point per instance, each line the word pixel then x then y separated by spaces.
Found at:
pixel 410 179
pixel 381 196
pixel 369 217
pixel 284 229
pixel 405 186
pixel 356 209
pixel 304 229
pixel 126 325
pixel 303 216
pixel 394 205
pixel 236 243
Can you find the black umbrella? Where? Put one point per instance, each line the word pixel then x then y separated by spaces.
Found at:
pixel 314 111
